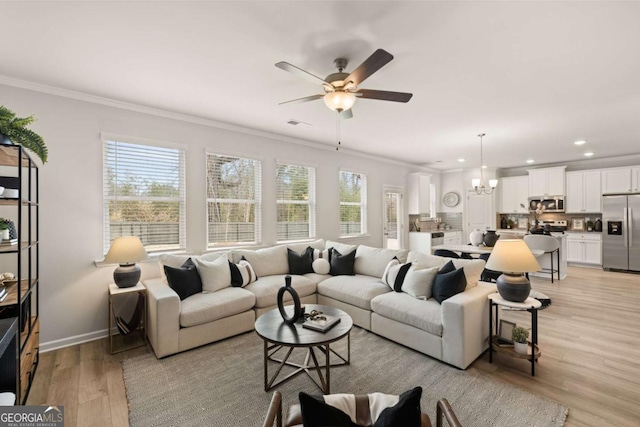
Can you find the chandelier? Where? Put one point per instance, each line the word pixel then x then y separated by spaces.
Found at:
pixel 478 184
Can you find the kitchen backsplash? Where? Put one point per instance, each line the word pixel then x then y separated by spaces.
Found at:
pixel 444 219
pixel 550 217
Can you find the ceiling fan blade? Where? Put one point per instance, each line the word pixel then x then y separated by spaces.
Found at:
pixel 377 60
pixel 384 95
pixel 300 72
pixel 305 99
pixel 347 114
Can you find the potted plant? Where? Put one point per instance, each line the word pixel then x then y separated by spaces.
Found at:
pixel 511 223
pixel 589 225
pixel 4 229
pixel 520 336
pixel 14 130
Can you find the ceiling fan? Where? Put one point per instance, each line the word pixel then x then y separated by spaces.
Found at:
pixel 341 89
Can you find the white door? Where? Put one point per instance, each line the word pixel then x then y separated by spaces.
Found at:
pixel 479 209
pixel 393 220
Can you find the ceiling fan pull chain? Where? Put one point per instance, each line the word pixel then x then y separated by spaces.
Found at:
pixel 338 130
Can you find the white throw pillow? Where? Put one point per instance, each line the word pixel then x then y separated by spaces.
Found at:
pixel 319 253
pixel 215 275
pixel 321 266
pixel 418 282
pixel 395 274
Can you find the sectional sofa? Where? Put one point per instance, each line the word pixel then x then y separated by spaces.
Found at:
pixel 454 331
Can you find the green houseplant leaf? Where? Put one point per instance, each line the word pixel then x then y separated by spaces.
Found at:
pixel 15 129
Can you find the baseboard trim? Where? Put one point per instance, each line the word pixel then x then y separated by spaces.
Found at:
pixel 69 341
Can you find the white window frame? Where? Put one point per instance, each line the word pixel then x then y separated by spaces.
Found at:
pixel 257 201
pixel 113 139
pixel 310 202
pixel 362 203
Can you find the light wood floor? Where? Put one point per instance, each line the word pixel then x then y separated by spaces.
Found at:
pixel 590 362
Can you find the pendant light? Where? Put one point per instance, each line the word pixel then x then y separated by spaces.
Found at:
pixel 478 184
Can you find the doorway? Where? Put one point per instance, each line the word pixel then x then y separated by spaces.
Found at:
pixel 480 212
pixel 392 218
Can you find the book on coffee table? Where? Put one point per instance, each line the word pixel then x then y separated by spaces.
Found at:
pixel 321 325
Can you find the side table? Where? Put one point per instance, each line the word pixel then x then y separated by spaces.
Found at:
pixel 531 305
pixel 136 338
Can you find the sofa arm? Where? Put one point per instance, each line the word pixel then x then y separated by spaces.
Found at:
pixel 465 325
pixel 163 323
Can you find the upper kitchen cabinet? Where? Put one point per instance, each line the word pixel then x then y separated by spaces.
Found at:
pixel 621 180
pixel 583 192
pixel 420 194
pixel 546 181
pixel 514 191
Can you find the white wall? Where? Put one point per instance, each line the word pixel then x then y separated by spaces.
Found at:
pixel 73 302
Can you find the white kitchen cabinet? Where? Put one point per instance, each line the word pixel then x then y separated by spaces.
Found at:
pixel 419 194
pixel 546 181
pixel 617 180
pixel 453 237
pixel 583 192
pixel 584 248
pixel 514 191
pixel 635 179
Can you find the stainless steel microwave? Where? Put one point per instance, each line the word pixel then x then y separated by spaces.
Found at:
pixel 550 203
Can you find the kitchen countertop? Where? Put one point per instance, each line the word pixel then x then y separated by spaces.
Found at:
pixel 437 231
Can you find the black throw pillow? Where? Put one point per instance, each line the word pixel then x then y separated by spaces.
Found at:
pixel 184 280
pixel 405 413
pixel 447 268
pixel 448 284
pixel 300 263
pixel 316 413
pixel 342 265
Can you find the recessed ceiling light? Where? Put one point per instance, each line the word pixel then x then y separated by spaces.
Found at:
pixel 461 160
pixel 581 142
pixel 588 153
pixel 530 160
pixel 484 166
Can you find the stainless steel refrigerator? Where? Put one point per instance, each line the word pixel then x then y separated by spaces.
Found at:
pixel 621 231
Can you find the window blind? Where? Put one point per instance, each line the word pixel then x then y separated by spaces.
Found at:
pixel 295 201
pixel 144 195
pixel 234 191
pixel 353 203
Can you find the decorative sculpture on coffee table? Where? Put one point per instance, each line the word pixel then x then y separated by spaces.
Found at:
pixel 297 310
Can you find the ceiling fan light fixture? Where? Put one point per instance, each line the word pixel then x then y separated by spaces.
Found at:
pixel 339 100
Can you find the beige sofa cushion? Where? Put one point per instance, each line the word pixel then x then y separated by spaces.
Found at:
pixel 301 247
pixel 424 315
pixel 356 290
pixel 207 307
pixel 340 247
pixel 266 288
pixel 265 262
pixel 472 267
pixel 317 278
pixel 372 261
pixel 215 275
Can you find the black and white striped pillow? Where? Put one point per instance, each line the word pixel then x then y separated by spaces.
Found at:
pixel 394 274
pixel 242 273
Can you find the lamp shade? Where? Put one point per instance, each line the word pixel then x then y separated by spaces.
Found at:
pixel 339 100
pixel 125 250
pixel 512 256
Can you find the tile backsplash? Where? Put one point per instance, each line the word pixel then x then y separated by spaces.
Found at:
pixel 452 219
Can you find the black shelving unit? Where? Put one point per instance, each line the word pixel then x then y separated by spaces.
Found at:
pixel 19 171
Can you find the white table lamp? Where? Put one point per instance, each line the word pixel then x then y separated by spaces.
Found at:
pixel 126 251
pixel 513 258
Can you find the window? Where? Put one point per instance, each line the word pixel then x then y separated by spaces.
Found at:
pixel 296 201
pixel 144 194
pixel 353 203
pixel 233 200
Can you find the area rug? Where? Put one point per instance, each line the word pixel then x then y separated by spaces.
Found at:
pixel 221 384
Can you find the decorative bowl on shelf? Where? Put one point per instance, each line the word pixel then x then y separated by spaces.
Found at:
pixel 10 193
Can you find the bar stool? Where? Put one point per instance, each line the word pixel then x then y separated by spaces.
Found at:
pixel 547 244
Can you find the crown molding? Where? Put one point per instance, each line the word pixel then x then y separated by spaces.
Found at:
pixel 158 112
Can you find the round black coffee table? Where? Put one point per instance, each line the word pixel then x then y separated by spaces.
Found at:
pixel 277 336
